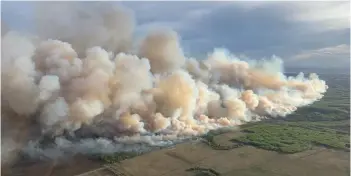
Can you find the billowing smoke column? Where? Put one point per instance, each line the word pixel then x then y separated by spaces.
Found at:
pixel 155 94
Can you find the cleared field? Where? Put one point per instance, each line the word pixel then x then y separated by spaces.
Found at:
pixel 243 161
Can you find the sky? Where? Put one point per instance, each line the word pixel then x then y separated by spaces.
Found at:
pixel 303 34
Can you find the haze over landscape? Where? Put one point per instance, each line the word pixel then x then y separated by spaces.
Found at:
pixel 113 80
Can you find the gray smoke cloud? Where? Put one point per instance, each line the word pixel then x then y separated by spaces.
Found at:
pixel 77 77
pixel 86 24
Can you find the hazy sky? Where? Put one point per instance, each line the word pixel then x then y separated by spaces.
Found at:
pixel 311 34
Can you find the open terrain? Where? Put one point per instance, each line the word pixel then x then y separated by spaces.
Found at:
pixel 246 160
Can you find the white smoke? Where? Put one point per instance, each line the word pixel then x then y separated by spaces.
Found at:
pixel 154 97
pixel 63 147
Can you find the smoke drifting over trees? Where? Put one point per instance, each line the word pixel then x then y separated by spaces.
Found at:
pixel 80 74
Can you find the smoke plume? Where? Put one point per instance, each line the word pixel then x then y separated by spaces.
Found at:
pixel 79 77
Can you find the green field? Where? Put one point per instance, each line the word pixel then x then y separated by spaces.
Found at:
pixel 291 139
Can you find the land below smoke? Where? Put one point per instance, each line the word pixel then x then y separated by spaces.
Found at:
pixel 246 160
pixel 312 141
